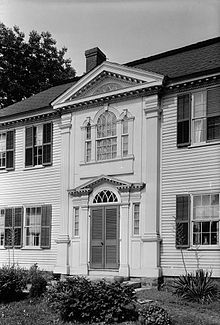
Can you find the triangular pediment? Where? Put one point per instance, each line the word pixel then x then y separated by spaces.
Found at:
pixel 88 187
pixel 107 79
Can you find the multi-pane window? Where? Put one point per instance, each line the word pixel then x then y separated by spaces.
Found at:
pixel 136 218
pixel 206 217
pixel 38 145
pixel 30 227
pixel 124 137
pixel 76 222
pixel 7 150
pixel 106 143
pixel 33 226
pixel 88 143
pixel 38 226
pixel 198 117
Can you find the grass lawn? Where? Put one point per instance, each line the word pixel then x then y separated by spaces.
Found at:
pixel 29 312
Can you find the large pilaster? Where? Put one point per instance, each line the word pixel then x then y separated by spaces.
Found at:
pixel 124 236
pixel 62 262
pixel 150 234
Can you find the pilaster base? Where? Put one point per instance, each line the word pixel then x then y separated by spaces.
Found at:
pixel 62 261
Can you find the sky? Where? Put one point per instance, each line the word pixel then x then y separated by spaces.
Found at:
pixel 125 30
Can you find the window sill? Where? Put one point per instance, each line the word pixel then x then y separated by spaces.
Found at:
pixel 203 144
pixel 3 171
pixel 32 248
pixel 205 248
pixel 130 157
pixel 33 167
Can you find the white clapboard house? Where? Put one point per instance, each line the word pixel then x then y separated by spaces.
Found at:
pixel 118 171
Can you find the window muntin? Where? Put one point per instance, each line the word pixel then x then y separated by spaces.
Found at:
pixel 198 117
pixel 136 219
pixel 206 218
pixel 106 143
pixel 105 196
pixel 38 142
pixel 2 150
pixel 76 222
pixel 33 226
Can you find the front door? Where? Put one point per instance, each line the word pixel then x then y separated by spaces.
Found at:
pixel 104 251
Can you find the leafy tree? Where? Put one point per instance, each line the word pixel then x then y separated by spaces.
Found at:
pixel 28 67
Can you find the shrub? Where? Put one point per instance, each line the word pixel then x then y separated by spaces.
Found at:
pixel 198 287
pixel 153 315
pixel 79 299
pixel 13 280
pixel 38 286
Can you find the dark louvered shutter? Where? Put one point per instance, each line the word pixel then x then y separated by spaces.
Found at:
pixel 97 240
pixel 183 120
pixel 18 226
pixel 213 114
pixel 8 227
pixel 46 219
pixel 182 221
pixel 29 143
pixel 47 144
pixel 10 150
pixel 111 237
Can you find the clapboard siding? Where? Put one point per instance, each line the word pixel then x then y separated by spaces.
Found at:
pixel 26 186
pixel 183 171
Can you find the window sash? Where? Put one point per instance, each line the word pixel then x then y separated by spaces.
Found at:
pixel 76 222
pixel 136 218
pixel 206 217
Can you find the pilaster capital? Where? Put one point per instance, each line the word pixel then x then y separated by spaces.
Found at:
pixel 66 124
pixel 63 239
pixel 152 107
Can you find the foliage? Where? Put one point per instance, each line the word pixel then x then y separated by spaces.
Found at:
pixel 28 67
pixel 38 280
pixel 12 282
pixel 153 315
pixel 78 299
pixel 198 287
pixel 38 286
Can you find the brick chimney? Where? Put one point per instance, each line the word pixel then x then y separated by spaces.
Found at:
pixel 94 57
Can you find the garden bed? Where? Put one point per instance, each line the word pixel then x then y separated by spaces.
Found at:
pixel 35 312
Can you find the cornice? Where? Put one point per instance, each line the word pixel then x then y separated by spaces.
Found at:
pixel 177 87
pixel 30 120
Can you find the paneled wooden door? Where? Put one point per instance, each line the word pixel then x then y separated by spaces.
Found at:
pixel 104 245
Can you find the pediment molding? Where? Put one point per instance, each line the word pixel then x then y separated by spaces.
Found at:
pixel 108 79
pixel 121 186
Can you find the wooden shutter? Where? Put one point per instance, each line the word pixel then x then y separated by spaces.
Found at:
pixel 8 227
pixel 182 221
pixel 46 219
pixel 10 149
pixel 18 226
pixel 14 227
pixel 111 237
pixel 183 120
pixel 97 238
pixel 47 144
pixel 29 143
pixel 213 114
